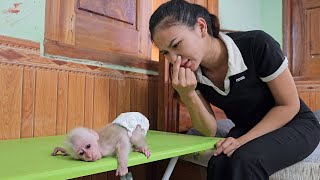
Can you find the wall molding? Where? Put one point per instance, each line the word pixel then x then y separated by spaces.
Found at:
pixel 23 53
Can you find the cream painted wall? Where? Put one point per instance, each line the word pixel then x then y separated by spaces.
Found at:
pixel 244 15
pixel 22 19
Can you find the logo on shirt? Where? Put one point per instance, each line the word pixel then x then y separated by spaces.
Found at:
pixel 240 78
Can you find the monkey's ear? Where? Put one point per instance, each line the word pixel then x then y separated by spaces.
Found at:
pixel 95 134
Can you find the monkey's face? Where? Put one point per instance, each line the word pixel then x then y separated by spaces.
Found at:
pixel 87 149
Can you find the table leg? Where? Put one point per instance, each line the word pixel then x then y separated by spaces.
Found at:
pixel 170 167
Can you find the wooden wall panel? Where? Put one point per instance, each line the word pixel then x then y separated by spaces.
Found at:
pixel 45 103
pixel 27 103
pixel 62 103
pixel 113 92
pixel 101 102
pixel 88 110
pixel 153 101
pixel 123 100
pixel 10 101
pixel 139 97
pixel 76 96
pixel 42 97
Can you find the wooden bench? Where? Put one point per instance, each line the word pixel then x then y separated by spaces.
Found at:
pixel 30 158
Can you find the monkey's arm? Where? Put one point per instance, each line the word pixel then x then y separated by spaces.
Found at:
pixel 139 141
pixel 59 149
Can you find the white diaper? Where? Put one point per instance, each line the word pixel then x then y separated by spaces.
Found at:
pixel 130 120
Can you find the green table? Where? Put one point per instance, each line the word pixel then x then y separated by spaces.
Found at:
pixel 30 158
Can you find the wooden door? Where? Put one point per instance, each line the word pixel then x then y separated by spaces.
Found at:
pixel 112 31
pixel 302 37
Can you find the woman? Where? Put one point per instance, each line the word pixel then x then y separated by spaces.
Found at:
pixel 246 75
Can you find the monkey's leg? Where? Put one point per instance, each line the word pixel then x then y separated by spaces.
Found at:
pixel 139 141
pixel 122 150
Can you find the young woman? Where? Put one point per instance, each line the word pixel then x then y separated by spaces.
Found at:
pixel 246 75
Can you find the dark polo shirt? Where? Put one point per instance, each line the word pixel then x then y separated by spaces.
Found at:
pixel 254 58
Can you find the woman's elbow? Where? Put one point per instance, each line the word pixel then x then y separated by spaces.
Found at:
pixel 297 106
pixel 212 132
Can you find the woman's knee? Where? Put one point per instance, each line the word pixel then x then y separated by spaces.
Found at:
pixel 244 158
pixel 217 167
pixel 216 160
pixel 247 165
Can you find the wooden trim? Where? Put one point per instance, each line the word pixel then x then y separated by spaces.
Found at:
pixel 25 54
pixel 287 31
pixel 213 6
pixel 59 49
pixel 162 96
pixel 306 80
pixel 19 42
pixel 60 21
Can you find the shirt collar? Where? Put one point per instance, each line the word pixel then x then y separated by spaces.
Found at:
pixel 236 64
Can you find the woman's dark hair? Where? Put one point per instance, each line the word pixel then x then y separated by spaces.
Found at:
pixel 180 12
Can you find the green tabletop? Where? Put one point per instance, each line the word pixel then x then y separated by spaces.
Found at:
pixel 30 158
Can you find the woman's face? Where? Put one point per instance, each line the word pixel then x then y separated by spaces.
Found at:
pixel 180 40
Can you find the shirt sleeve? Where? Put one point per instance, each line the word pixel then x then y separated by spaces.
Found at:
pixel 269 59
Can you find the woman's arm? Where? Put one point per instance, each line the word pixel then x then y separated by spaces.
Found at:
pixel 184 82
pixel 202 116
pixel 287 106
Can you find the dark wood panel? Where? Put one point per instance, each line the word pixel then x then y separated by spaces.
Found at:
pixel 120 10
pixel 314 35
pixel 116 39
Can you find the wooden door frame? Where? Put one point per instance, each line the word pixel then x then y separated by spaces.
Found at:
pixel 287 31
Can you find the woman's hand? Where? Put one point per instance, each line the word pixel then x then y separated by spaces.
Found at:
pixel 227 146
pixel 183 79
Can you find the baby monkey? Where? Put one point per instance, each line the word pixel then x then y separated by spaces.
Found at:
pixel 127 131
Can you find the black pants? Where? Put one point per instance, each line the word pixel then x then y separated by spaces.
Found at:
pixel 263 156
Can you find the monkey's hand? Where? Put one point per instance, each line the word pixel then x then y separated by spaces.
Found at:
pixel 143 150
pixel 59 149
pixel 122 170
